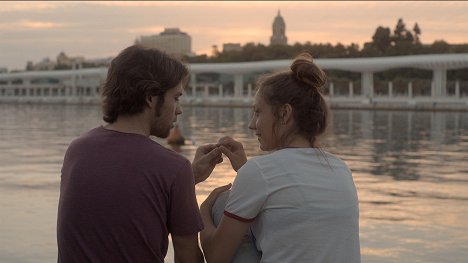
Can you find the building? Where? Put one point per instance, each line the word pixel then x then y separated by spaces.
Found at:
pixel 232 47
pixel 171 40
pixel 64 61
pixel 45 64
pixel 279 31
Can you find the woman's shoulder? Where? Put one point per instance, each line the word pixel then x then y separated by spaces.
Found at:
pixel 256 160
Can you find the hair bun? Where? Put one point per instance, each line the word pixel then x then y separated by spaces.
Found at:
pixel 305 70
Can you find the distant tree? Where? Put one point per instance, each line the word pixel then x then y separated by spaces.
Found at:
pixel 370 50
pixel 29 66
pixel 353 50
pixel 63 67
pixel 382 39
pixel 339 51
pixel 417 33
pixel 409 37
pixel 400 30
pixel 440 46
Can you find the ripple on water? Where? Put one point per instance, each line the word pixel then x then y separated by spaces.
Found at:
pixel 409 168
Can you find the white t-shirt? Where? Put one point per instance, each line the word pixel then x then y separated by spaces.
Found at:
pixel 303 204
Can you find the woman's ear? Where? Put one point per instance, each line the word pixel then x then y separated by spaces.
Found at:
pixel 286 113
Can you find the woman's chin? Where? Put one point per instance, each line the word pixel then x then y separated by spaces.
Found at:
pixel 264 148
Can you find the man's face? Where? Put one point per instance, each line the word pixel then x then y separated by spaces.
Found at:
pixel 163 119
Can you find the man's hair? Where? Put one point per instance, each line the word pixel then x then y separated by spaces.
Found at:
pixel 135 74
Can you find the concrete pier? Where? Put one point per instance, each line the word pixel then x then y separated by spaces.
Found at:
pixel 82 85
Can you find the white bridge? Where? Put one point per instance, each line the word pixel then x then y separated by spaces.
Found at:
pixel 83 84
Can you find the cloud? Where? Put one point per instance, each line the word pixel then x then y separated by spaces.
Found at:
pixel 26 24
pixel 146 30
pixel 27 6
pixel 39 24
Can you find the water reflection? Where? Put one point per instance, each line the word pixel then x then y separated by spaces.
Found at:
pixel 410 169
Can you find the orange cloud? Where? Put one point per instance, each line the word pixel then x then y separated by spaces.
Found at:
pixel 39 24
pixel 25 6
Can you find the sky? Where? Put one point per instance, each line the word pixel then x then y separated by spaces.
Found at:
pixel 32 31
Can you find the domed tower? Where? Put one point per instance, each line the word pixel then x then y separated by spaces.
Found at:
pixel 279 31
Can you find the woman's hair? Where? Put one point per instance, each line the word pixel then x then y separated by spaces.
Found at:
pixel 302 88
pixel 135 74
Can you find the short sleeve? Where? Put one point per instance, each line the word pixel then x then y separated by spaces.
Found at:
pixel 184 215
pixel 248 194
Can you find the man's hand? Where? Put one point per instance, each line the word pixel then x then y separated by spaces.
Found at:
pixel 206 158
pixel 234 151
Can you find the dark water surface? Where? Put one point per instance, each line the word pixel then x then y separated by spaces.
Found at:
pixel 410 169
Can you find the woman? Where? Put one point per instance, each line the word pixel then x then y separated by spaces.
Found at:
pixel 299 202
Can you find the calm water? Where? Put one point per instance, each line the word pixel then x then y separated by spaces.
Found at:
pixel 410 168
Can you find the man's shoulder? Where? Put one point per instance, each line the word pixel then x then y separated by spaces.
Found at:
pixel 167 155
pixel 85 137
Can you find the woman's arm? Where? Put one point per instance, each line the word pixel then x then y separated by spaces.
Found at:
pixel 234 150
pixel 186 249
pixel 220 243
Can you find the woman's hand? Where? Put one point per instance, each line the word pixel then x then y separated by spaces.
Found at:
pixel 220 243
pixel 234 151
pixel 207 205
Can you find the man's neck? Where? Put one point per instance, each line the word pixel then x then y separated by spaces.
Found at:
pixel 130 124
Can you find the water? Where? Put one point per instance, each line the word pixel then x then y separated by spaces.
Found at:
pixel 410 169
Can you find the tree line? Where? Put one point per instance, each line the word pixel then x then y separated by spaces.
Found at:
pixel 385 42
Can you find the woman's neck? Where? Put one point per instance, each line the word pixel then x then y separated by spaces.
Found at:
pixel 297 142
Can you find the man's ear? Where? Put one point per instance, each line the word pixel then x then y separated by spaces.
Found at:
pixel 149 101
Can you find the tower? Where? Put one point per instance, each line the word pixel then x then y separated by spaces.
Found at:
pixel 279 31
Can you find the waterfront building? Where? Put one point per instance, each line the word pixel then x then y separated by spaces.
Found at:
pixel 171 40
pixel 279 31
pixel 66 61
pixel 44 64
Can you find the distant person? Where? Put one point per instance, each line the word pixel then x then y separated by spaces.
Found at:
pixel 121 192
pixel 298 202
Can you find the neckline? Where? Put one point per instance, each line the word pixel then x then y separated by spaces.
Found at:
pixel 123 133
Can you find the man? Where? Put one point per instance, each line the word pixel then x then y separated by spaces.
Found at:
pixel 122 193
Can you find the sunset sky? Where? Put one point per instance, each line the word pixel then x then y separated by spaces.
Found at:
pixel 36 30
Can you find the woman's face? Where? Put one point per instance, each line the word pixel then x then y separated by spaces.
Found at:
pixel 262 123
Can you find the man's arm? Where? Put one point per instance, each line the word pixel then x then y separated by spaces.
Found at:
pixel 206 158
pixel 186 249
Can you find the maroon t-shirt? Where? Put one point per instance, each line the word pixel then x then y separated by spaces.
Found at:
pixel 121 194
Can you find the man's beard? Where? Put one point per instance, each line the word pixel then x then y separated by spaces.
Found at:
pixel 157 130
pixel 161 132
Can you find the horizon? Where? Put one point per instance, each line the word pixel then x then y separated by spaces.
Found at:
pixel 32 31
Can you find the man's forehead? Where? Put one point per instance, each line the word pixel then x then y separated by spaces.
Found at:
pixel 178 89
